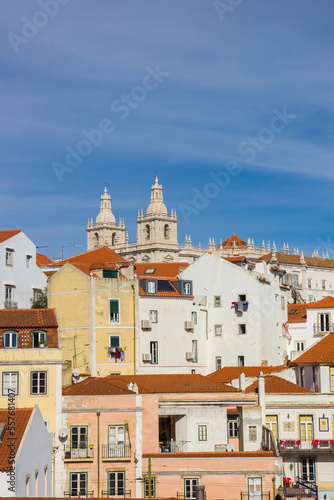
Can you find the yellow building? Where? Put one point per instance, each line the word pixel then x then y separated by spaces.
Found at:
pixel 95 296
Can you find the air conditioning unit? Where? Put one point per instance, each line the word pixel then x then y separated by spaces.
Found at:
pixel 146 323
pixel 190 356
pixel 147 357
pixel 189 325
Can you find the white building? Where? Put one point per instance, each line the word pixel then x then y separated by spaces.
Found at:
pixel 21 279
pixel 26 454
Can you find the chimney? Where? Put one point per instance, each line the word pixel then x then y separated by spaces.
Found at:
pixel 242 381
pixel 262 396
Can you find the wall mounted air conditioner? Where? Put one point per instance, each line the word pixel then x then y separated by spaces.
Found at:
pixel 189 325
pixel 146 323
pixel 190 356
pixel 147 357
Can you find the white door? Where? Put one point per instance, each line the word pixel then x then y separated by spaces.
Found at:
pixel 255 488
pixel 116 441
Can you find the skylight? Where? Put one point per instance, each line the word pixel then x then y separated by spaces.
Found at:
pixel 293 311
pixel 150 270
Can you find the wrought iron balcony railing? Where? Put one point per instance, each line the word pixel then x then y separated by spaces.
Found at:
pixel 79 494
pixel 119 494
pixel 9 304
pixel 110 451
pixel 314 445
pixel 80 453
pixel 319 329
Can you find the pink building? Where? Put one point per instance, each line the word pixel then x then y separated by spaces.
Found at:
pixel 195 431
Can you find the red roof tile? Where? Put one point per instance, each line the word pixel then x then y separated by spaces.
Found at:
pixel 277 385
pixel 99 258
pixel 213 454
pixel 233 241
pixel 162 269
pixel 96 386
pixel 238 258
pixel 43 260
pixel 229 373
pixel 22 416
pixel 26 320
pixel 321 353
pixel 295 259
pixel 297 313
pixel 5 235
pixel 325 303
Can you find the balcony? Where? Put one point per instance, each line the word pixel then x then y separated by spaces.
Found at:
pixel 116 452
pixel 82 453
pixel 9 304
pixel 319 329
pixel 320 445
pixel 79 494
pixel 109 494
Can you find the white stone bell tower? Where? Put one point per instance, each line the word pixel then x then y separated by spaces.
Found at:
pixel 105 231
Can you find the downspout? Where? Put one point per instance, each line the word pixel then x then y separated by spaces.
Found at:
pixel 98 454
pixel 134 329
pixel 92 337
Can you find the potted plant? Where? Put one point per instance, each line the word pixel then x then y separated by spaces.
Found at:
pixel 42 343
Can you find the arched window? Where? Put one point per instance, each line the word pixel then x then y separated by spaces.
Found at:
pixel 38 338
pixel 166 232
pixel 96 240
pixel 10 339
pixel 113 239
pixel 148 231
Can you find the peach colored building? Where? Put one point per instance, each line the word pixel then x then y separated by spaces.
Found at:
pixel 181 421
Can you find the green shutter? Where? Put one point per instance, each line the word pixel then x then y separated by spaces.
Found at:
pixel 114 306
pixel 110 273
pixel 114 341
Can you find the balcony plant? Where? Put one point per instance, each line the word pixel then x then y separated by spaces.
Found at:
pixel 42 343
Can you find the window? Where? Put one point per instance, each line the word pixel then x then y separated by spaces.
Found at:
pixel 218 330
pixel 309 283
pixel 242 328
pixel 241 360
pixel 166 232
pixel 282 302
pixel 114 341
pixel 310 298
pixel 9 256
pixel 295 280
pixel 189 487
pixel 194 350
pixel 110 273
pixel 150 270
pixel 78 484
pixel 36 294
pixel 186 289
pixel 116 352
pixel 217 300
pixel 242 298
pixel 202 432
pixel 10 383
pixel 315 374
pixel 218 363
pixel 154 352
pixel 28 260
pixel 255 487
pixel 38 383
pixel 233 427
pixel 9 296
pixel 27 486
pixel 152 487
pixel 302 376
pixel 331 376
pixel 300 345
pixel 116 441
pixel 10 339
pixel 79 437
pixel 306 427
pixel 271 423
pixel 307 469
pixel 116 483
pixel 324 322
pixel 151 287
pixel 194 317
pixel 38 338
pixel 46 481
pixel 154 316
pixel 323 284
pixel 252 433
pixel 37 483
pixel 114 310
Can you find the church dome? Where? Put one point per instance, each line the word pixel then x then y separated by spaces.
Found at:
pixel 157 206
pixel 105 216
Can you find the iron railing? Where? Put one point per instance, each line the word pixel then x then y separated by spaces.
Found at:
pixel 79 494
pixel 319 329
pixel 110 494
pixel 9 304
pixel 254 495
pixel 291 445
pixel 81 453
pixel 116 451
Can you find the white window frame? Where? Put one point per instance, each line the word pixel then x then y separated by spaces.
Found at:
pixel 151 287
pixel 12 376
pixel 300 345
pixel 81 477
pixel 218 330
pixel 233 427
pixel 154 316
pixel 240 328
pixel 194 317
pixel 218 363
pixel 39 382
pixel 9 260
pixel 217 300
pixel 117 316
pixel 282 302
pixel 309 283
pixel 120 483
pixel 202 432
pixel 28 261
pixel 194 349
pixel 153 483
pixel 189 483
pixel 12 334
pixel 323 284
pixel 154 352
pixel 186 288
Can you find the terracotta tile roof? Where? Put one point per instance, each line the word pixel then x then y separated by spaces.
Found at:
pixel 162 269
pixel 324 303
pixel 26 320
pixel 229 373
pixel 295 259
pixel 99 258
pixel 233 238
pixel 42 260
pixel 5 235
pixel 173 292
pixel 297 313
pixel 278 385
pixel 213 454
pixel 238 258
pixel 96 386
pixel 22 416
pixel 321 353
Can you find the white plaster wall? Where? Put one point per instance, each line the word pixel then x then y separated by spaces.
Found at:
pixel 4 492
pixel 24 279
pixel 34 454
pixel 216 421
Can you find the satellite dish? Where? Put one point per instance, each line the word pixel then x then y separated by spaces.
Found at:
pixel 230 447
pixel 76 372
pixel 63 434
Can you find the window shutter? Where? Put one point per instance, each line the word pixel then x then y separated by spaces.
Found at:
pixel 110 273
pixel 114 306
pixel 114 341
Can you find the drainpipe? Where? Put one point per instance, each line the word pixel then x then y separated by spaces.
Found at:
pixel 92 337
pixel 134 329
pixel 149 477
pixel 98 454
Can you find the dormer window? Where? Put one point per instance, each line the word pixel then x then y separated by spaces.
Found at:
pixel 151 287
pixel 186 289
pixel 38 338
pixel 11 339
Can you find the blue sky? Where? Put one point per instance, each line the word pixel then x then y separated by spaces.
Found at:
pixel 245 83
